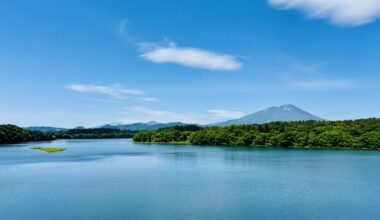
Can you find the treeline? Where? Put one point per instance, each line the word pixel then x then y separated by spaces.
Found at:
pixel 15 134
pixel 94 133
pixel 359 134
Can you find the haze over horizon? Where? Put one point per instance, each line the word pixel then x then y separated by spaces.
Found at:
pixel 194 62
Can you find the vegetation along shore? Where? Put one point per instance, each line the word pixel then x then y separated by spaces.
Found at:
pixel 14 134
pixel 350 134
pixel 49 149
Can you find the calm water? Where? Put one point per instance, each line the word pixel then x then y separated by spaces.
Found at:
pixel 116 179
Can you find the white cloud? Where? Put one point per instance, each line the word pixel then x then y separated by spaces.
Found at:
pixel 340 12
pixel 191 57
pixel 140 113
pixel 148 99
pixel 225 114
pixel 116 91
pixel 322 85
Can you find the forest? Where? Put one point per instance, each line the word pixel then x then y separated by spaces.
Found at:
pixel 352 134
pixel 15 134
pixel 94 133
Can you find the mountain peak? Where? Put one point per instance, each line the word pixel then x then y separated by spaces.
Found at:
pixel 287 112
pixel 288 107
pixel 79 128
pixel 151 123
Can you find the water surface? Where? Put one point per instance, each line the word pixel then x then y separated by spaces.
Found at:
pixel 116 179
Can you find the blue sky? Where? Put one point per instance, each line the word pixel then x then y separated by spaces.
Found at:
pixel 69 63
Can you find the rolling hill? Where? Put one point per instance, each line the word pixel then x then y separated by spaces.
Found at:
pixel 152 125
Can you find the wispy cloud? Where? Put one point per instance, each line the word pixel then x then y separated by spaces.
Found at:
pixel 340 12
pixel 140 113
pixel 321 85
pixel 191 57
pixel 100 100
pixel 311 76
pixel 115 91
pixel 169 52
pixel 122 26
pixel 296 85
pixel 225 114
pixel 148 99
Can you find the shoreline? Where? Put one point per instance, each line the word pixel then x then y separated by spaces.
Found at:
pixel 259 146
pixel 205 145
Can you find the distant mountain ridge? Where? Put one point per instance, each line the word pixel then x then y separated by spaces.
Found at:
pixel 275 113
pixel 271 114
pixel 45 128
pixel 152 125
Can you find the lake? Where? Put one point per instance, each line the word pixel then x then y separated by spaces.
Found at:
pixel 117 179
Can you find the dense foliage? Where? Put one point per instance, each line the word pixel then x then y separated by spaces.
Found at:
pixel 360 134
pixel 94 133
pixel 14 134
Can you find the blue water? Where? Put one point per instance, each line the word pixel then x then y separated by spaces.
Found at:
pixel 116 179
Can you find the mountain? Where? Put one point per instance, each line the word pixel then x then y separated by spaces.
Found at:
pixel 45 129
pixel 79 128
pixel 152 125
pixel 280 113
